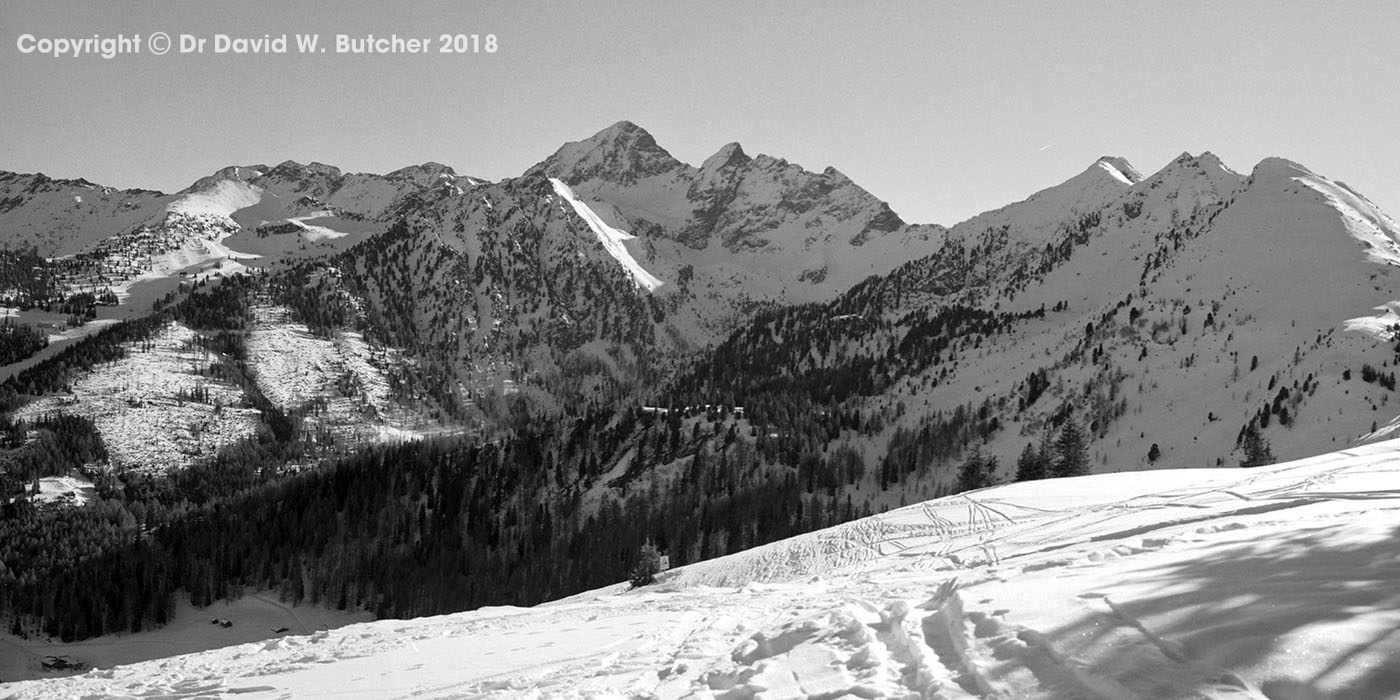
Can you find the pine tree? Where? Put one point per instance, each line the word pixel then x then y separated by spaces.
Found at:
pixel 1257 451
pixel 989 471
pixel 1071 452
pixel 1031 464
pixel 647 566
pixel 977 472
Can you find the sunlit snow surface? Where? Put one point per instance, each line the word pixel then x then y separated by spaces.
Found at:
pixel 610 237
pixel 65 489
pixel 1115 169
pixel 222 199
pixel 1278 582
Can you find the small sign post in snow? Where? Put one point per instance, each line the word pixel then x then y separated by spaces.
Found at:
pixel 664 563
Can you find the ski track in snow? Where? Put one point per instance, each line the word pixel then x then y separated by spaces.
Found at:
pixel 1276 582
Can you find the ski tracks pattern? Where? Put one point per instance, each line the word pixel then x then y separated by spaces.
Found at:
pixel 940 650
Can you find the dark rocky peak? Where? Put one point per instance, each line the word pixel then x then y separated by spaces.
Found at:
pixel 427 174
pixel 622 153
pixel 731 155
pixel 836 177
pixel 1205 175
pixel 323 169
pixel 231 172
pixel 37 182
pixel 292 170
pixel 763 161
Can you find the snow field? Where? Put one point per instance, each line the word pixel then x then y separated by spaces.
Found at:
pixel 220 200
pixel 1276 582
pixel 253 617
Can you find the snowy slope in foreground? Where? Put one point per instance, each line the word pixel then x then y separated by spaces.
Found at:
pixel 1275 583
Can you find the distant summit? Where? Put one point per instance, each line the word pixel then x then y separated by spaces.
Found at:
pixel 623 152
pixel 1121 167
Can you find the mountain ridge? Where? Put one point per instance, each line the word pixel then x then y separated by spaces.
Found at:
pixel 719 242
pixel 511 373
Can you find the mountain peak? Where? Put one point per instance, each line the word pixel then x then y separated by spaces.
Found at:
pixel 1118 167
pixel 729 155
pixel 1210 159
pixel 430 168
pixel 1275 167
pixel 623 153
pixel 230 172
pixel 294 170
pixel 623 127
pixel 1204 175
pixel 834 175
pixel 1206 161
pixel 323 169
pixel 624 136
pixel 288 166
pixel 427 174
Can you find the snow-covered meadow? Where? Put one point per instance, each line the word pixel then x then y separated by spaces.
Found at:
pixel 1276 582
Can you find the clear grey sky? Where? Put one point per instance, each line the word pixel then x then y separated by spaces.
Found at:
pixel 944 109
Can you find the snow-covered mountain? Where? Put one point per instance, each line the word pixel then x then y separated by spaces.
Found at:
pixel 65 217
pixel 290 207
pixel 580 280
pixel 613 256
pixel 618 346
pixel 1186 310
pixel 758 224
pixel 1182 309
pixel 1268 583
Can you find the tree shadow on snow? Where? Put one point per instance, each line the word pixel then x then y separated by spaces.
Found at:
pixel 1238 604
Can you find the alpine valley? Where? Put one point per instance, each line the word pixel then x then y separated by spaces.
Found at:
pixel 423 392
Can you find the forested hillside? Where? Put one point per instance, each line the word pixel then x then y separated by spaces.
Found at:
pixel 405 529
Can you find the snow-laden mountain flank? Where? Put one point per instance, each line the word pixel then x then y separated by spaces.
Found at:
pixel 761 224
pixel 510 286
pixel 247 216
pixel 219 198
pixel 511 282
pixel 1173 316
pixel 295 190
